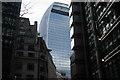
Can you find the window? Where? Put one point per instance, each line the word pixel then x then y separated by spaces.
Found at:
pixel 21 40
pixel 31 47
pixel 104 30
pixel 19 53
pixel 6 41
pixel 107 26
pixel 8 32
pixel 63 74
pixel 30 66
pixel 21 27
pixel 42 78
pixel 30 77
pixel 31 54
pixel 42 69
pixel 43 56
pixel 18 65
pixel 22 33
pixel 22 20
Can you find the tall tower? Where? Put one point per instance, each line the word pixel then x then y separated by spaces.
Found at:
pixel 10 15
pixel 55 30
pixel 95 37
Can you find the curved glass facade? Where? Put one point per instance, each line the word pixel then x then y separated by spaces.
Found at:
pixel 55 30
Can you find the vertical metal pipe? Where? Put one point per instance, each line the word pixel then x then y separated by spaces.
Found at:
pixel 96 43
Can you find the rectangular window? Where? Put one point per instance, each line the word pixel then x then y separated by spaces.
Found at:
pixel 21 40
pixel 31 54
pixel 19 53
pixel 22 20
pixel 18 65
pixel 30 66
pixel 31 47
pixel 30 77
pixel 43 56
pixel 22 33
pixel 42 78
pixel 42 69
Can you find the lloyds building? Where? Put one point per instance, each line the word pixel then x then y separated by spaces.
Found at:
pixel 54 28
pixel 95 29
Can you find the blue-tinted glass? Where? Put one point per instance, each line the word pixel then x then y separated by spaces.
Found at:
pixel 55 30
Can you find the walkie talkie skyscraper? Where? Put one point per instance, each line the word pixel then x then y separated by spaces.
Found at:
pixel 55 30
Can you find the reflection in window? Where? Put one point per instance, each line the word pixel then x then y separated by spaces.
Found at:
pixel 60 8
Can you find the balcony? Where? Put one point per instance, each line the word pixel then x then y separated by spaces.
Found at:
pixel 72 44
pixel 77 57
pixel 71 32
pixel 72 58
pixel 71 21
pixel 75 32
pixel 70 11
pixel 77 44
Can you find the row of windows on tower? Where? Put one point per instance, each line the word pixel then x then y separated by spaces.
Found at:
pixel 22 54
pixel 7 32
pixel 9 21
pixel 104 22
pixel 30 47
pixel 29 54
pixel 30 66
pixel 28 77
pixel 25 33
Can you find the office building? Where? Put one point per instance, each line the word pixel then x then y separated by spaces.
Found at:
pixel 108 36
pixel 54 28
pixel 10 14
pixel 102 20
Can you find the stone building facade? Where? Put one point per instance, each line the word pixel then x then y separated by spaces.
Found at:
pixel 31 56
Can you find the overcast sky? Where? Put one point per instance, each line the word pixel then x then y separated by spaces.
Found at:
pixel 38 8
